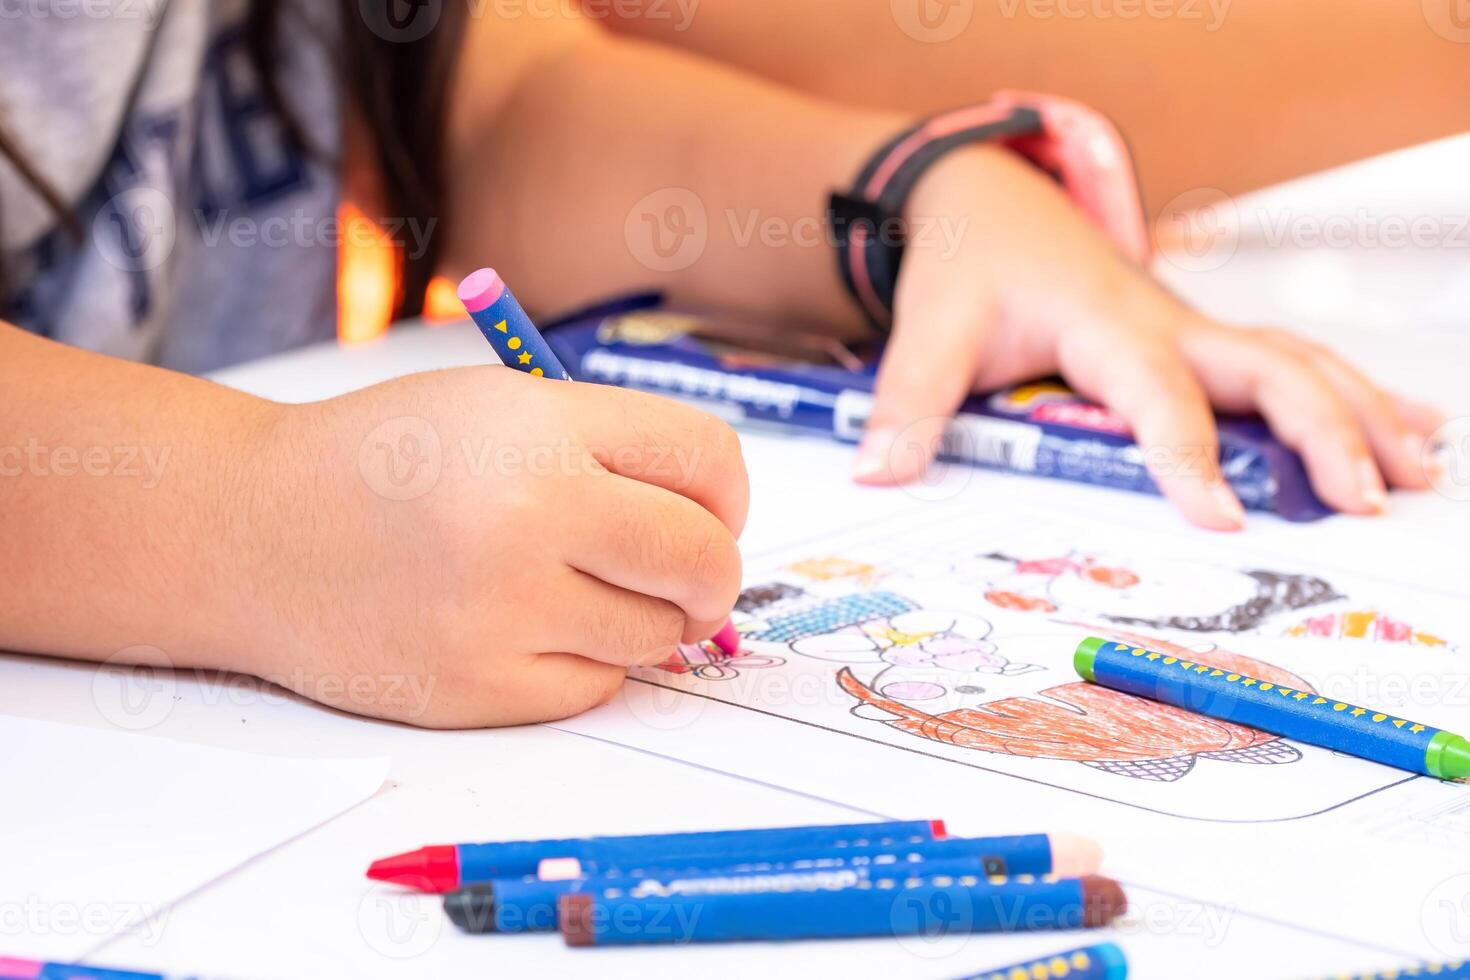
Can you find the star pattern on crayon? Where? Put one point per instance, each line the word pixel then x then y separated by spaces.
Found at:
pixel 514 343
pixel 1286 692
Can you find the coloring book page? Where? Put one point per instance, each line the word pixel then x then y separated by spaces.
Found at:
pixel 911 656
pixel 960 648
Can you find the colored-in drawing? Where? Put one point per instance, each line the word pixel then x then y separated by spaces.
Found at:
pixel 956 667
pixel 1366 625
pixel 1151 593
pixel 708 662
pixel 830 569
pixel 793 613
pixel 925 654
pixel 943 676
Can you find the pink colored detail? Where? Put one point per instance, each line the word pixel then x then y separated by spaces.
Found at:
pixel 857 258
pixel 1092 417
pixel 912 691
pixel 1095 166
pixel 1393 630
pixel 728 639
pixel 13 969
pixel 1047 566
pixel 481 289
pixel 936 128
pixel 1321 625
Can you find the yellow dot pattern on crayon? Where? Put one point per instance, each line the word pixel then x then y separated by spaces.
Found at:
pixel 514 343
pixel 1285 692
pixel 945 881
pixel 1051 968
pixel 1413 971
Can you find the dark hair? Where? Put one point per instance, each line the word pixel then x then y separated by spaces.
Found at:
pixel 398 88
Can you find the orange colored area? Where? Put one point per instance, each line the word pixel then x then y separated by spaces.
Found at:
pixel 367 275
pixel 1112 578
pixel 1017 601
pixel 441 302
pixel 1355 625
pixel 1363 625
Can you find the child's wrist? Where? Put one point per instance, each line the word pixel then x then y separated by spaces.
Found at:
pixel 259 517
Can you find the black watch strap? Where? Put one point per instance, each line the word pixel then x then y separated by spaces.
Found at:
pixel 867 222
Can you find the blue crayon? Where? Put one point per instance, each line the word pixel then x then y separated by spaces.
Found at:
pixel 1456 970
pixel 529 904
pixel 510 331
pixel 17 969
pixel 930 906
pixel 444 867
pixel 1306 716
pixel 1023 854
pixel 519 345
pixel 1105 961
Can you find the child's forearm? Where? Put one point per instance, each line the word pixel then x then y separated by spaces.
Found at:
pixel 615 164
pixel 1228 94
pixel 126 496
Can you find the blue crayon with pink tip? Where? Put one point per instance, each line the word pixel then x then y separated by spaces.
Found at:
pixel 510 331
pixel 18 969
pixel 519 345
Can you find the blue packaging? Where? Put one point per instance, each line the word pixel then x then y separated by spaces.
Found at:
pixel 805 382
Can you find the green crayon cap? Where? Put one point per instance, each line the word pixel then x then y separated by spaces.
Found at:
pixel 1085 655
pixel 1448 756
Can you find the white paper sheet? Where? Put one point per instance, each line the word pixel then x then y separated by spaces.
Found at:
pixel 102 831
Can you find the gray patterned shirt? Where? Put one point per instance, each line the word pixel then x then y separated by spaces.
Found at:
pixel 207 237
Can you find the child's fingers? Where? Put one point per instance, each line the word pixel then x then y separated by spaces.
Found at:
pixel 1422 417
pixel 549 687
pixel 1397 445
pixel 610 624
pixel 645 539
pixel 661 442
pixel 1147 382
pixel 1244 371
pixel 927 370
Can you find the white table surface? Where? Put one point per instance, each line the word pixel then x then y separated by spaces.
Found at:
pixel 305 909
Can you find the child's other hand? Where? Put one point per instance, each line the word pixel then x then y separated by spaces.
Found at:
pixel 477 547
pixel 1033 289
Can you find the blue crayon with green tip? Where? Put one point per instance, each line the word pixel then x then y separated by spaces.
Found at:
pixel 1306 716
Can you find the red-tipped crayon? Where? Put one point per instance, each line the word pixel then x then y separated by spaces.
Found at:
pixel 445 867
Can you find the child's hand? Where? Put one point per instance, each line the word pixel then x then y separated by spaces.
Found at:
pixel 1033 289
pixel 478 547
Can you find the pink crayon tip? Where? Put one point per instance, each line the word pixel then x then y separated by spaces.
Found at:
pixel 20 969
pixel 480 289
pixel 727 639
